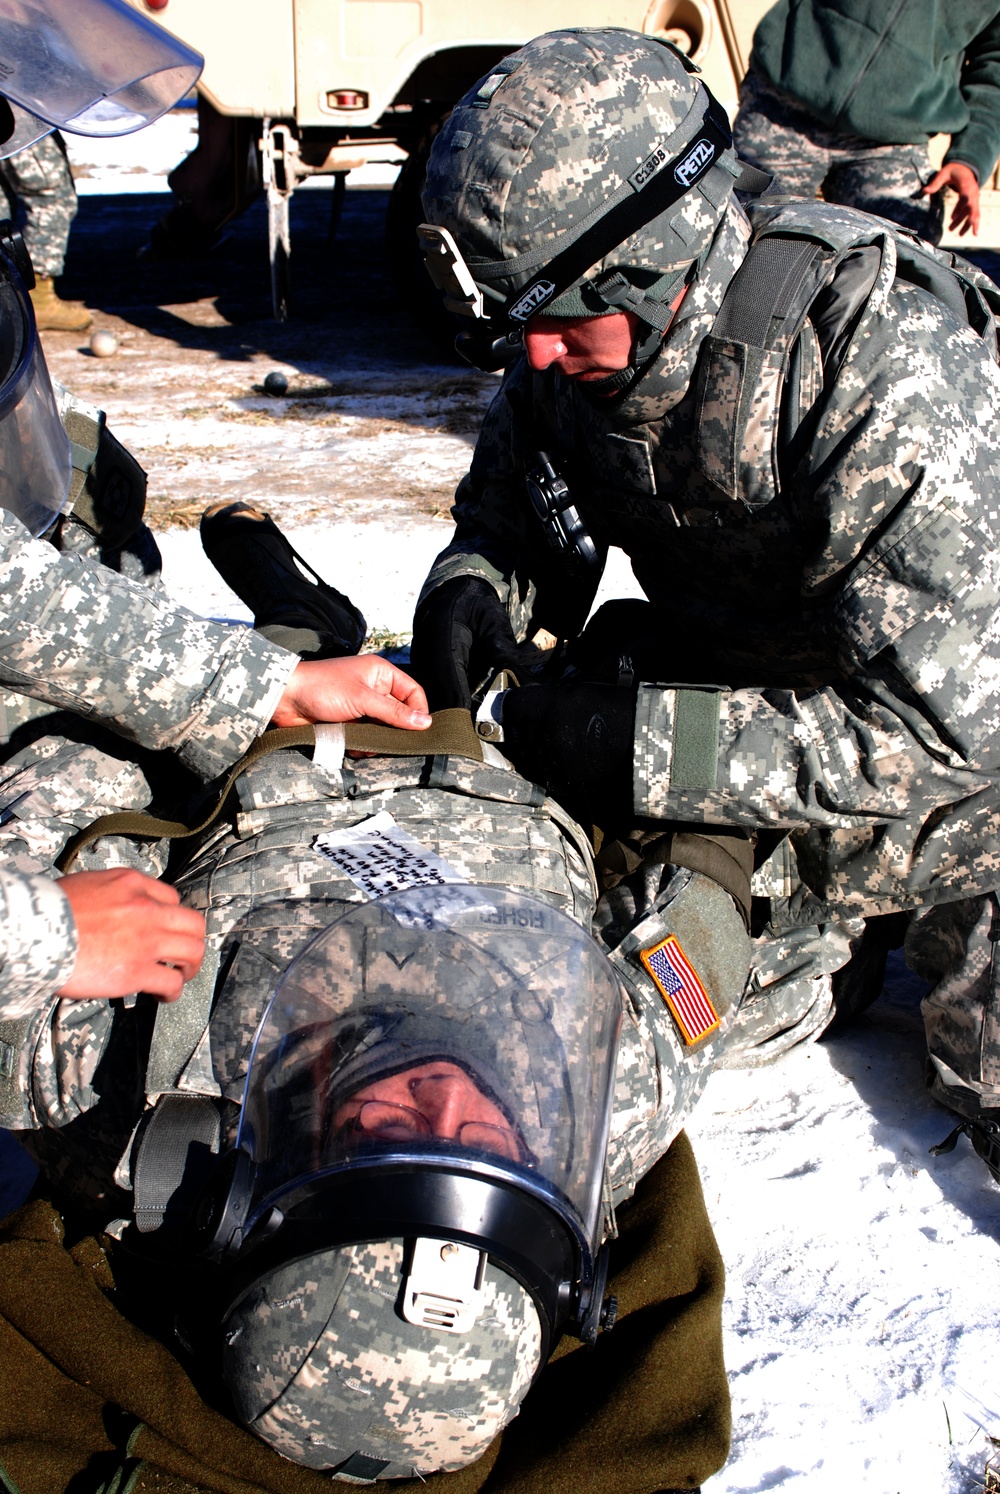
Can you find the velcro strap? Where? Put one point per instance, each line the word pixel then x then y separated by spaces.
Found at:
pixel 765 289
pixel 694 761
pixel 174 1159
pixel 84 438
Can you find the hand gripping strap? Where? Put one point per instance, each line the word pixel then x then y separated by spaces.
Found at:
pixel 450 734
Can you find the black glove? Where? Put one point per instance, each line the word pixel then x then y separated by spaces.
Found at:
pixel 575 740
pixel 461 637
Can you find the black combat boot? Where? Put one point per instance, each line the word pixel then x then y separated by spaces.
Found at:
pixel 252 556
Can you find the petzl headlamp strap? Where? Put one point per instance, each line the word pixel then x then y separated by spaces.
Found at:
pixel 651 189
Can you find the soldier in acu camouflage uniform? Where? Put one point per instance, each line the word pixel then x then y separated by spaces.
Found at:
pixel 487 971
pixel 90 653
pixel 39 184
pixel 786 415
pixel 842 97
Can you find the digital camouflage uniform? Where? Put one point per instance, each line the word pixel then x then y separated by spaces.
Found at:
pixel 88 1070
pixel 265 891
pixel 842 97
pixel 808 158
pixel 829 586
pixel 93 651
pixel 39 185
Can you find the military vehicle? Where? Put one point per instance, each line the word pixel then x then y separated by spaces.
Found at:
pixel 297 88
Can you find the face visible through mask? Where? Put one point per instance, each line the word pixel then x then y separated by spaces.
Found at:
pixel 437 1100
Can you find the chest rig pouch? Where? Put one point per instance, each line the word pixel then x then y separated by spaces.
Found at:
pixel 763 365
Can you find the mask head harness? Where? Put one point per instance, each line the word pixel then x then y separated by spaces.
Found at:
pixel 35 455
pixel 674 166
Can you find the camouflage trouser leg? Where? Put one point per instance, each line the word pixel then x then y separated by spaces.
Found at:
pixel 789 997
pixel 40 181
pixel 776 133
pixel 955 947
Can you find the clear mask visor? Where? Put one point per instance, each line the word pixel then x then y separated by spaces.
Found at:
pixel 454 1027
pixel 35 460
pixel 93 67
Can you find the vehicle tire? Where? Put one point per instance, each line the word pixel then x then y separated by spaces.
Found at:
pixel 406 264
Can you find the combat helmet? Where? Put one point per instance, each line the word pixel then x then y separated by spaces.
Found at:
pixel 413 1212
pixel 586 174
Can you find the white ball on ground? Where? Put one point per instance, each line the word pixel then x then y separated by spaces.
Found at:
pixel 103 344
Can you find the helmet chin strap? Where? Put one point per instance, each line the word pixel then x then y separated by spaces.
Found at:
pixel 616 383
pixel 653 320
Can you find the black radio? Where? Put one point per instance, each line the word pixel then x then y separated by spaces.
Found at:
pixel 560 519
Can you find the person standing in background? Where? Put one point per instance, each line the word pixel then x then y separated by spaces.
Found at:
pixel 840 102
pixel 39 184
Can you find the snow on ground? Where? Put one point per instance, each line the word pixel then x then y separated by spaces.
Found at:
pixel 382 568
pixel 861 1312
pixel 133 163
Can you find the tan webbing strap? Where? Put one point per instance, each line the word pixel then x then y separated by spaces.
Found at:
pixel 132 822
pixel 727 859
pixel 451 733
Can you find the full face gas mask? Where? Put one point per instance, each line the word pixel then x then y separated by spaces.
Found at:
pixel 92 67
pixel 585 175
pixel 413 1213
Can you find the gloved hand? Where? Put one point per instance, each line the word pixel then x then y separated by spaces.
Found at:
pixel 575 740
pixel 461 635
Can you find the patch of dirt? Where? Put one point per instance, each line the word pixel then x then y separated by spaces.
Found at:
pixel 376 424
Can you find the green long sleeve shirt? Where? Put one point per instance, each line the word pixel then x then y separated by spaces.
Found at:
pixel 897 71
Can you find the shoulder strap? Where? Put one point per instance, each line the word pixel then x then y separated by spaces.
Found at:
pixel 451 733
pixel 744 360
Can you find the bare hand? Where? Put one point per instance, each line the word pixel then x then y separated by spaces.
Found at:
pixel 348 689
pixel 962 180
pixel 133 935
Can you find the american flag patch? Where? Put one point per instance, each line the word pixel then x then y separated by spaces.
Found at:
pixel 681 989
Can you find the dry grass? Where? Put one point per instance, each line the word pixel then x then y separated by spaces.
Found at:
pixel 167 513
pixel 384 641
